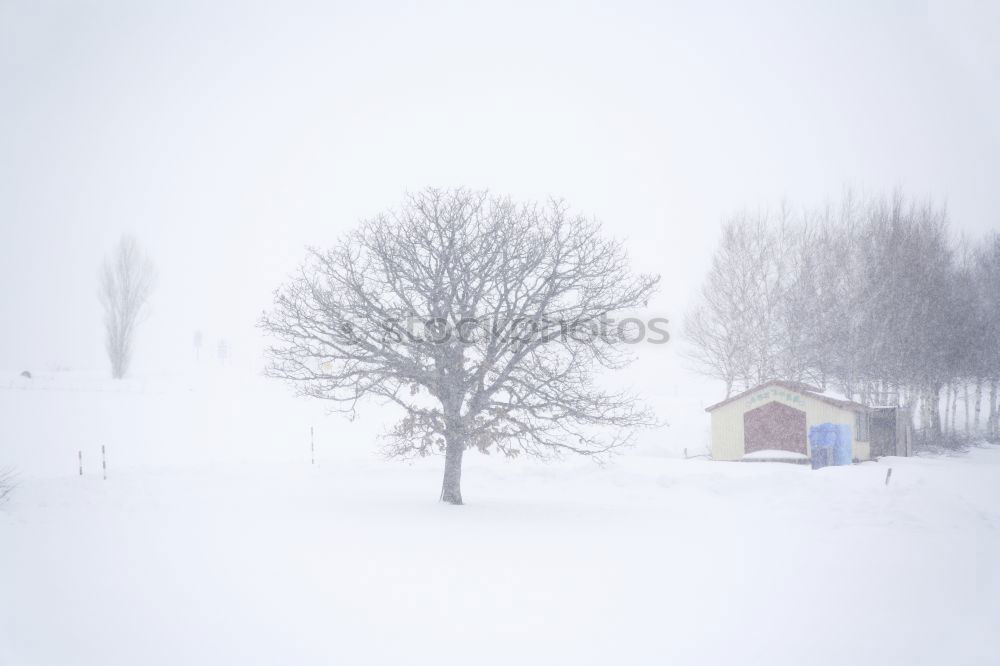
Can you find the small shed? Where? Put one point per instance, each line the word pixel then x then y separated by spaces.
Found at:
pixel 777 415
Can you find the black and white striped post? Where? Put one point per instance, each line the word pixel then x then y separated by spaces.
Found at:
pixel 104 464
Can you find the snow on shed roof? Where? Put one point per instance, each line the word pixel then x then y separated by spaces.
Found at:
pixel 798 387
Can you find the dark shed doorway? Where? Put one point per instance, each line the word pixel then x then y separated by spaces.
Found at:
pixel 890 432
pixel 774 426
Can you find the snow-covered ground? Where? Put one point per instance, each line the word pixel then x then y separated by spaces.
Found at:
pixel 214 541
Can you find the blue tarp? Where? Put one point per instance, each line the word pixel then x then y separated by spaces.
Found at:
pixel 843 450
pixel 822 439
pixel 830 444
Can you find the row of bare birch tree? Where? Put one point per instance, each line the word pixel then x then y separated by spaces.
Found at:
pixel 874 297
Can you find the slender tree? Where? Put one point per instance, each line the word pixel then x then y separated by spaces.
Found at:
pixel 987 287
pixel 6 484
pixel 733 330
pixel 480 318
pixel 125 282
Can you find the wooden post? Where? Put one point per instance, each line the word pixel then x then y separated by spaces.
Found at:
pixel 312 447
pixel 79 457
pixel 888 475
pixel 104 464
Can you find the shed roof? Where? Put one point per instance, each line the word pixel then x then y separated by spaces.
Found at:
pixel 798 387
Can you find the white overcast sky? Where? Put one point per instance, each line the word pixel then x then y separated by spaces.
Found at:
pixel 228 136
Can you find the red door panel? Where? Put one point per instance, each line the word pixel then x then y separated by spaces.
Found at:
pixel 774 426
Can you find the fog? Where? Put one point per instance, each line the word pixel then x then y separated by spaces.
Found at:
pixel 227 138
pixel 199 511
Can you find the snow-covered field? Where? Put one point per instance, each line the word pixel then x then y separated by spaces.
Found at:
pixel 214 541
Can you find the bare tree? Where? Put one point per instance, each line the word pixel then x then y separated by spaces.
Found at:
pixel 480 318
pixel 737 332
pixel 987 285
pixel 125 283
pixel 6 484
pixel 719 327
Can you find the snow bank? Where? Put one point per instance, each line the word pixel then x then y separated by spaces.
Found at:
pixel 206 559
pixel 775 454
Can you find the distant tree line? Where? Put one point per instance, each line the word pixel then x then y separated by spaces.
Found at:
pixel 874 297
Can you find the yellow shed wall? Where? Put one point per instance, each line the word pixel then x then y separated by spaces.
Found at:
pixel 727 421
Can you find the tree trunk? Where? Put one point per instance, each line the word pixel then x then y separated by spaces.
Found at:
pixel 924 411
pixel 968 421
pixel 954 409
pixel 979 402
pixel 944 412
pixel 935 400
pixel 910 406
pixel 451 486
pixel 993 409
